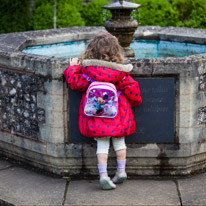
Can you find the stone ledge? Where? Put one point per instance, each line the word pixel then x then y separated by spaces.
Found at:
pixel 4 165
pixel 24 187
pixel 193 190
pixel 132 192
pixel 11 56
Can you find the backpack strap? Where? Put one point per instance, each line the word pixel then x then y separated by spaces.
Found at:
pixel 88 78
pixel 91 80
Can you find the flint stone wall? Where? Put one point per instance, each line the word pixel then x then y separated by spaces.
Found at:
pixel 34 118
pixel 18 103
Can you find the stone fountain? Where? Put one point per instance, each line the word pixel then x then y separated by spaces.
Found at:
pixel 39 114
pixel 121 24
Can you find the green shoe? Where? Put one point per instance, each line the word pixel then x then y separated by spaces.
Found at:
pixel 106 183
pixel 120 176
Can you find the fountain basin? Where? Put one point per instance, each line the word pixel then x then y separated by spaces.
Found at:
pixel 41 105
pixel 142 49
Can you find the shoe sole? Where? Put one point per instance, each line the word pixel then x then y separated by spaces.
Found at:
pixel 106 186
pixel 120 180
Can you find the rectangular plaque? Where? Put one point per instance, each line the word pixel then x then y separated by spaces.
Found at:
pixel 74 134
pixel 154 117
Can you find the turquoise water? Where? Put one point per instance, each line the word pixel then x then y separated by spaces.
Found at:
pixel 142 49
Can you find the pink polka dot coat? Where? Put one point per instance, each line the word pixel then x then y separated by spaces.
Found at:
pixel 118 74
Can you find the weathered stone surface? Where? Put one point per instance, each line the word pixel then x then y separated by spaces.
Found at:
pixel 132 192
pixel 188 134
pixel 141 65
pixel 189 85
pixel 4 165
pixel 18 103
pixel 202 82
pixel 186 103
pixel 53 145
pixel 202 115
pixel 188 118
pixel 52 135
pixel 24 187
pixel 193 190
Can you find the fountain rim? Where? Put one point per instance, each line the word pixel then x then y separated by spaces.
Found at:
pixel 12 44
pixel 144 35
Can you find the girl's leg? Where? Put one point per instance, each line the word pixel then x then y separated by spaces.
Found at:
pixel 120 149
pixel 102 156
pixel 102 163
pixel 121 154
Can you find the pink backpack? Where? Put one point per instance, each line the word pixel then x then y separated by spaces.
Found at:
pixel 101 99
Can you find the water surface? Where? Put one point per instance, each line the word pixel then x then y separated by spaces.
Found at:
pixel 142 49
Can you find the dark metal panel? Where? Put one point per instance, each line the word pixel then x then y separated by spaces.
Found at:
pixel 74 135
pixel 154 117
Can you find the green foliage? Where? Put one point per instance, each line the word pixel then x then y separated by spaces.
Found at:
pixel 14 15
pixel 42 17
pixel 191 13
pixel 78 4
pixel 39 3
pixel 66 14
pixel 185 13
pixel 93 13
pixel 159 12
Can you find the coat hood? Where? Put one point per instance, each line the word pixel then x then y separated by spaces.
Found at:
pixel 111 65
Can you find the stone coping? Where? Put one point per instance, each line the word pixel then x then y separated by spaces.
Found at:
pixel 12 44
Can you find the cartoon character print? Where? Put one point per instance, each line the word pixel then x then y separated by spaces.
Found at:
pixel 100 102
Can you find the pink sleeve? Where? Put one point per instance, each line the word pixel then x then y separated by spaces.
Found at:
pixel 75 78
pixel 131 90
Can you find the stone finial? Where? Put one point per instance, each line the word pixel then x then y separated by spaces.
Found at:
pixel 121 2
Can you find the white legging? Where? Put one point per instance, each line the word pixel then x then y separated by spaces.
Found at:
pixel 104 143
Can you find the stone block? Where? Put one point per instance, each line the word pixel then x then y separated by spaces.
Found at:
pixel 183 66
pixel 142 162
pixel 188 85
pixel 186 103
pixel 144 150
pixel 202 63
pixel 59 67
pixel 4 165
pixel 18 142
pixel 201 145
pixel 132 192
pixel 141 66
pixel 202 115
pixel 188 118
pixel 54 135
pixel 50 101
pixel 55 119
pixel 23 187
pixel 54 87
pixel 89 150
pixel 193 190
pixel 65 98
pixel 202 82
pixel 200 99
pixel 188 134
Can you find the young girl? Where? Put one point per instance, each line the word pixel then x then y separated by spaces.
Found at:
pixel 103 61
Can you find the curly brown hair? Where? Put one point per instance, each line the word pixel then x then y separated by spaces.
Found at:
pixel 104 46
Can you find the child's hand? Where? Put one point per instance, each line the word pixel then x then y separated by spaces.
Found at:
pixel 74 61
